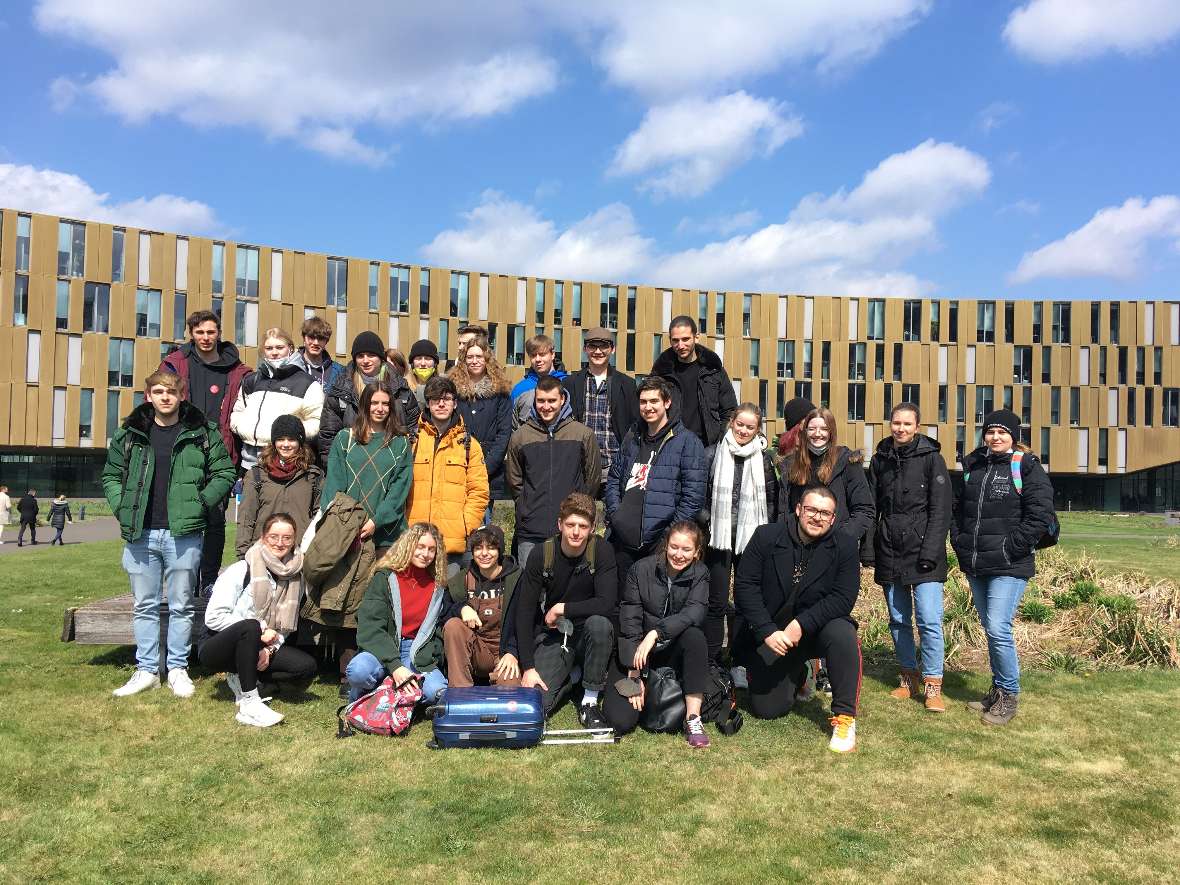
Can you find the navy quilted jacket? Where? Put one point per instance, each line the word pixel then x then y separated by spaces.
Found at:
pixel 675 485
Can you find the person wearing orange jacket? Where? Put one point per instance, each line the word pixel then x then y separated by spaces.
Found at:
pixel 450 487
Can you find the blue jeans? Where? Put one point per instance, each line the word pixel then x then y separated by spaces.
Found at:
pixel 996 600
pixel 365 672
pixel 154 557
pixel 927 599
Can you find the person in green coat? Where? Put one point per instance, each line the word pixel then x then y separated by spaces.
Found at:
pixel 166 468
pixel 372 463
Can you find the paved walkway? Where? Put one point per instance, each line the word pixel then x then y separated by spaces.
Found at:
pixel 104 528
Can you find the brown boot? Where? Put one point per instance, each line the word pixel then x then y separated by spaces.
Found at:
pixel 910 680
pixel 934 701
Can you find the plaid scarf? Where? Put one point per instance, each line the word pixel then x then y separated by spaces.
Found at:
pixel 277 606
pixel 751 506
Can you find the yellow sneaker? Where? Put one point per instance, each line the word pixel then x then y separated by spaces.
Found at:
pixel 843 734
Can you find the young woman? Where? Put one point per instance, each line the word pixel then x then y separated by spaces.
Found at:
pixel 486 406
pixel 371 462
pixel 660 620
pixel 279 386
pixel 253 609
pixel 741 494
pixel 396 361
pixel 286 479
pixel 59 515
pixel 423 367
pixel 907 544
pixel 342 399
pixel 400 621
pixel 1005 508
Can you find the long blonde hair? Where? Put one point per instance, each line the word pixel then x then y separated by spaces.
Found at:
pixel 493 371
pixel 397 557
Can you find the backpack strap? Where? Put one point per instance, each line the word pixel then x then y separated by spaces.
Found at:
pixel 1017 479
pixel 256 472
pixel 315 493
pixel 591 547
pixel 549 549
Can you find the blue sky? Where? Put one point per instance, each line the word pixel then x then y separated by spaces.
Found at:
pixel 869 147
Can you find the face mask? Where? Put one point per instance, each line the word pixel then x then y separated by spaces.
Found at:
pixel 423 374
pixel 817 450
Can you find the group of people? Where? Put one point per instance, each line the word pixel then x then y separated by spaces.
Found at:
pixel 28 509
pixel 720 550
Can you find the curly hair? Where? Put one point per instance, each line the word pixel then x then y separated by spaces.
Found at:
pixel 493 371
pixel 397 557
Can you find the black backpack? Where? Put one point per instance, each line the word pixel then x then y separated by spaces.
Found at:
pixel 719 704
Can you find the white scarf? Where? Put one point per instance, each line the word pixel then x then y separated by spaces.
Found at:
pixel 751 510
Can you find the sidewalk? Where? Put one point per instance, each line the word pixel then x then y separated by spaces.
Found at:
pixel 104 528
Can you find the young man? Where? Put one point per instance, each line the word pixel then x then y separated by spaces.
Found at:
pixel 467 334
pixel 5 510
pixel 211 374
pixel 166 468
pixel 450 486
pixel 28 508
pixel 543 362
pixel 314 358
pixel 657 478
pixel 794 591
pixel 602 398
pixel 578 589
pixel 703 393
pixel 548 457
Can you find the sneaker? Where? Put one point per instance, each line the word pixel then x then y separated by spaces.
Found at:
pixel 141 680
pixel 180 684
pixel 1002 711
pixel 253 711
pixel 822 684
pixel 591 717
pixel 984 704
pixel 235 685
pixel 843 734
pixel 694 733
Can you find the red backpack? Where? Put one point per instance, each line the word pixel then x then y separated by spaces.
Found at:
pixel 387 710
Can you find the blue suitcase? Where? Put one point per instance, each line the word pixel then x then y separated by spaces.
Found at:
pixel 487 716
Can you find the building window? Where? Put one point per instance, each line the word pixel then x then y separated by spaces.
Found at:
pixel 985 322
pixel 179 315
pixel 20 300
pixel 62 308
pixel 887 399
pixel 246 272
pixel 121 363
pixel 1103 447
pixel 1046 364
pixel 24 237
pixel 719 314
pixel 1022 370
pixel 538 299
pixel 96 308
pixel 609 309
pixel 246 324
pixel 747 312
pixel 1026 408
pixel 1009 322
pixel 897 361
pixel 1157 360
pixel 33 358
pixel 219 268
pixel 577 305
pixel 1122 365
pixel 1061 315
pixel 516 345
pixel 444 339
pixel 960 442
pixel 953 321
pixel 399 290
pixel 802 389
pixel 875 321
pixel 1132 412
pixel 912 393
pixel 1140 365
pixel 825 360
pixel 911 326
pixel 215 306
pixel 374 283
pixel 1095 321
pixel 856 402
pixel 423 291
pixel 1055 406
pixel 703 312
pixel 1114 322
pixel 1045 445
pixel 118 237
pixel 657 346
pixel 934 323
pixel 1007 398
pixel 629 353
pixel 807 360
pixel 856 362
pixel 112 413
pixel 1171 407
pixel 755 357
pixel 942 405
pixel 559 302
pixel 71 248
pixel 1149 406
pixel 337 282
pixel 461 295
pixel 1102 365
pixel 961 403
pixel 1075 406
pixel 86 415
pixel 985 401
pixel 630 307
pixel 825 394
pixel 1038 317
pixel 878 361
pixel 786 359
pixel 147 313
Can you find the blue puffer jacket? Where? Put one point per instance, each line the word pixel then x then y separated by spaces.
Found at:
pixel 675 484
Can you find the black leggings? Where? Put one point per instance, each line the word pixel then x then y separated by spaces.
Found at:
pixel 235 650
pixel 687 654
pixel 773 686
pixel 722 564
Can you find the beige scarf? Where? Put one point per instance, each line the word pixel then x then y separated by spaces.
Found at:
pixel 277 606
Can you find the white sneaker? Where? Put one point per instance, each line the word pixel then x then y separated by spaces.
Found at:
pixel 252 711
pixel 235 685
pixel 180 684
pixel 843 734
pixel 141 680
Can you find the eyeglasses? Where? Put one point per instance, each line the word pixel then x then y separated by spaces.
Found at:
pixel 598 346
pixel 816 513
pixel 323 338
pixel 281 539
pixel 445 398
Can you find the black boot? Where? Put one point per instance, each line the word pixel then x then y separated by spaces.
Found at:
pixel 1002 710
pixel 985 704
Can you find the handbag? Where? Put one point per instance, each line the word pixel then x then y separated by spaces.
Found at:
pixel 663 704
pixel 387 710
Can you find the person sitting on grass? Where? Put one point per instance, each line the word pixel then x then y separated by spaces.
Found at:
pixel 661 620
pixel 400 621
pixel 480 641
pixel 253 609
pixel 794 591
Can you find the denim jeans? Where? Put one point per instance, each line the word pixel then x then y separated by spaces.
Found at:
pixel 154 557
pixel 927 600
pixel 996 599
pixel 365 672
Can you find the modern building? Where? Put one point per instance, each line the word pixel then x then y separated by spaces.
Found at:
pixel 87 310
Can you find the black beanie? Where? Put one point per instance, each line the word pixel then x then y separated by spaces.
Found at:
pixel 288 426
pixel 424 347
pixel 1004 418
pixel 368 342
pixel 796 410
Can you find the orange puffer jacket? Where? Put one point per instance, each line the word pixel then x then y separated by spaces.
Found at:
pixel 450 482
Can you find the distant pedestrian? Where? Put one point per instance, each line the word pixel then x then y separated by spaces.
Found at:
pixel 59 515
pixel 28 508
pixel 5 510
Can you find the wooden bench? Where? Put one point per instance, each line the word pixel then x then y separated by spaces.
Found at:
pixel 108 622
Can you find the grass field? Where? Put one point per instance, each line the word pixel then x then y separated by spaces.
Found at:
pixel 1084 785
pixel 1121 542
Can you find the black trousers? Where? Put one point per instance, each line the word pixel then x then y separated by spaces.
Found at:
pixel 687 654
pixel 235 650
pixel 593 644
pixel 214 544
pixel 773 686
pixel 722 564
pixel 32 526
pixel 625 557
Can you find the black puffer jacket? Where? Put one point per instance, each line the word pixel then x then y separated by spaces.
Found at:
pixel 854 501
pixel 739 470
pixel 652 602
pixel 341 403
pixel 995 529
pixel 913 497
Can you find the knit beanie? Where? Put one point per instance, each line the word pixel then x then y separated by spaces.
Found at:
pixel 288 427
pixel 424 347
pixel 367 342
pixel 796 410
pixel 1004 418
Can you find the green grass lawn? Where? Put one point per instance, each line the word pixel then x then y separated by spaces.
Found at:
pixel 1083 786
pixel 1121 542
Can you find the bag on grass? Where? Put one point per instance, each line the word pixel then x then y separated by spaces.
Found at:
pixel 719 704
pixel 663 702
pixel 387 710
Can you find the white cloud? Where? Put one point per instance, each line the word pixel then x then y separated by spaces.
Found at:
pixel 301 69
pixel 62 193
pixel 724 225
pixel 1054 31
pixel 848 243
pixel 695 142
pixel 1112 244
pixel 994 116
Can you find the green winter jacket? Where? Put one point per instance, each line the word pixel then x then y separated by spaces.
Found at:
pixel 202 472
pixel 379 624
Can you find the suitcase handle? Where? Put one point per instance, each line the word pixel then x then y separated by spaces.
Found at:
pixel 432 711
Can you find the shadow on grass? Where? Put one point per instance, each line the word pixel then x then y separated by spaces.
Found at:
pixel 956 684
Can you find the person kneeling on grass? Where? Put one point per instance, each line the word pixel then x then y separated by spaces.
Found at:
pixel 400 621
pixel 794 591
pixel 480 641
pixel 661 621
pixel 253 609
